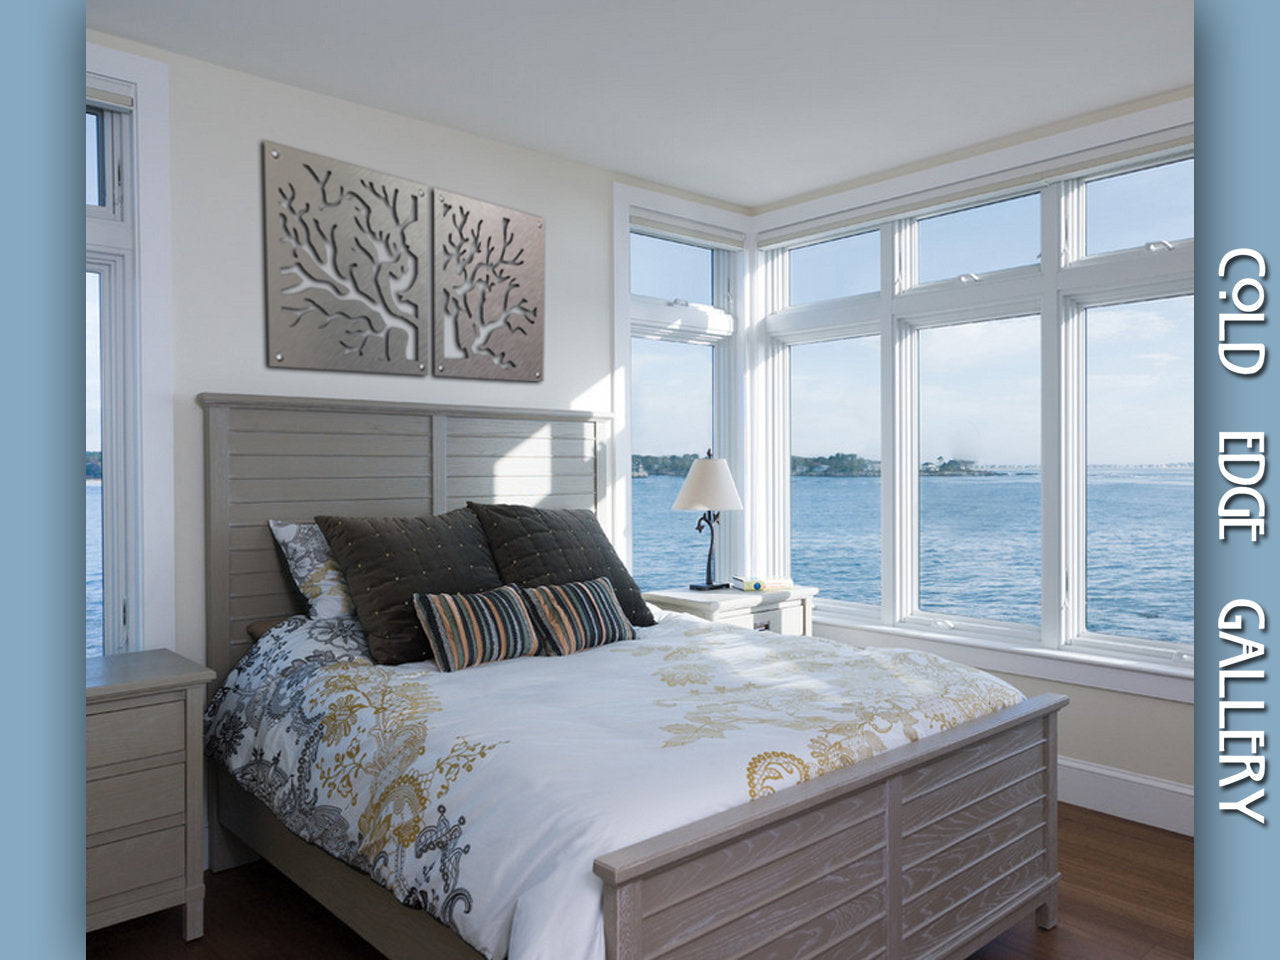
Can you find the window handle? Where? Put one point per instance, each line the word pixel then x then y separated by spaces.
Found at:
pixel 1157 245
pixel 969 278
pixel 677 302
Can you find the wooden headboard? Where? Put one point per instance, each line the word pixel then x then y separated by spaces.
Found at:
pixel 286 458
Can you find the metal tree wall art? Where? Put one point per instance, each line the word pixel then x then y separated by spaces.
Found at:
pixel 489 264
pixel 348 265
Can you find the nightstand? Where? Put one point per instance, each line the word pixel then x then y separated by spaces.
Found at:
pixel 144 797
pixel 782 611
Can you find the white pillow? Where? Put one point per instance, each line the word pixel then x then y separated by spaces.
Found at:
pixel 315 572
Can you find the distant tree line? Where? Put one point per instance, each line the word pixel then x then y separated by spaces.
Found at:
pixel 836 465
pixel 93 464
pixel 667 465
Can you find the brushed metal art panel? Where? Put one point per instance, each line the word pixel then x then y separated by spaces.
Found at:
pixel 489 281
pixel 348 263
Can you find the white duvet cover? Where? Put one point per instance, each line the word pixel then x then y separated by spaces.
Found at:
pixel 485 795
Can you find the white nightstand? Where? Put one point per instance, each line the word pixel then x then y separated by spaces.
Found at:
pixel 144 797
pixel 782 611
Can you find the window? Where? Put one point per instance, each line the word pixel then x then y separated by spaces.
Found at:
pixel 835 467
pixel 94 162
pixel 1145 206
pixel 127 266
pixel 671 406
pixel 834 268
pixel 1138 482
pixel 93 465
pixel 978 240
pixel 979 473
pixel 111 566
pixel 681 291
pixel 1021 491
pixel 670 270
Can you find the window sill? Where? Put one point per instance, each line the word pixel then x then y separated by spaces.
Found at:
pixel 1163 681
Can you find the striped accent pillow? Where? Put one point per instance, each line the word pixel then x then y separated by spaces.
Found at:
pixel 464 629
pixel 578 616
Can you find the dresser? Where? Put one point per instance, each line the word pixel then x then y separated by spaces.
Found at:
pixel 788 610
pixel 144 798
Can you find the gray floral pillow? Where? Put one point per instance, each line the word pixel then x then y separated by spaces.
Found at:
pixel 316 573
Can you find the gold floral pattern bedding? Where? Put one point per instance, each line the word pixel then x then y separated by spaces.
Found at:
pixel 485 795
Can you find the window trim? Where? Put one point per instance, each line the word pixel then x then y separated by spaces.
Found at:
pixel 149 337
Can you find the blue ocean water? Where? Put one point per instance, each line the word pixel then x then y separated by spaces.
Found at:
pixel 93 568
pixel 979 545
pixel 979 549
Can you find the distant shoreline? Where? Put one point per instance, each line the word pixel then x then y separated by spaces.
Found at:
pixel 844 465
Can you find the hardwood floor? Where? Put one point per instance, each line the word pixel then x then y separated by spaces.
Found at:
pixel 1126 894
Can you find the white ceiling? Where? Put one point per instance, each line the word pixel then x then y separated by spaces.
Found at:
pixel 745 101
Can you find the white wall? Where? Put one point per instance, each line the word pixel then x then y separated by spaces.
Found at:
pixel 218 121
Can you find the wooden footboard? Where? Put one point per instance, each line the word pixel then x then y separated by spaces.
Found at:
pixel 924 852
pixel 928 851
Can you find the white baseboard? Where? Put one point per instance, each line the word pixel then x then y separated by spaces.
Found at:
pixel 1158 803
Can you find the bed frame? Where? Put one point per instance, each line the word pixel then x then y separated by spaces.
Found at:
pixel 925 852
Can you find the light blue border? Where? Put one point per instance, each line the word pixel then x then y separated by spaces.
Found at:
pixel 42 378
pixel 1237 205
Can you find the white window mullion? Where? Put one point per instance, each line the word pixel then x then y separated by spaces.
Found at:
pixel 769 551
pixel 899 406
pixel 1073 522
pixel 1058 223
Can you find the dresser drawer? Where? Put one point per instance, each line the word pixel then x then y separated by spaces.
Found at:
pixel 113 868
pixel 113 802
pixel 135 732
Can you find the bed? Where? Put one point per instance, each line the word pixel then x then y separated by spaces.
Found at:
pixel 952 837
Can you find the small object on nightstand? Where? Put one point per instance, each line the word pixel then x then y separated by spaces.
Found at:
pixel 761 583
pixel 788 610
pixel 144 799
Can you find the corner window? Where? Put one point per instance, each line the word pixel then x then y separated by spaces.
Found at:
pixel 1150 206
pixel 979 472
pixel 835 467
pixel 678 318
pixel 670 270
pixel 1138 481
pixel 671 409
pixel 979 240
pixel 834 268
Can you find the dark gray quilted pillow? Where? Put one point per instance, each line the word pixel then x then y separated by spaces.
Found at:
pixel 535 547
pixel 386 560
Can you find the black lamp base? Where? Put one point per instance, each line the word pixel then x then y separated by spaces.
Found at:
pixel 708 586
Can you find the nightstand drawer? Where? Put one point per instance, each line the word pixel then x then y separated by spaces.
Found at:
pixel 113 868
pixel 133 733
pixel 767 620
pixel 135 798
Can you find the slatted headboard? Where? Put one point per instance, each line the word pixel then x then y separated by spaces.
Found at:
pixel 285 458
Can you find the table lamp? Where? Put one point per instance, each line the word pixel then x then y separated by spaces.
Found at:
pixel 709 488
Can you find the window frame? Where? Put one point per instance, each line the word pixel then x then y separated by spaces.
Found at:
pixel 718 325
pixel 128 240
pixel 1060 289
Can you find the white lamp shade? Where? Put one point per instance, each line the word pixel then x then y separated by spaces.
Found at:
pixel 709 486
